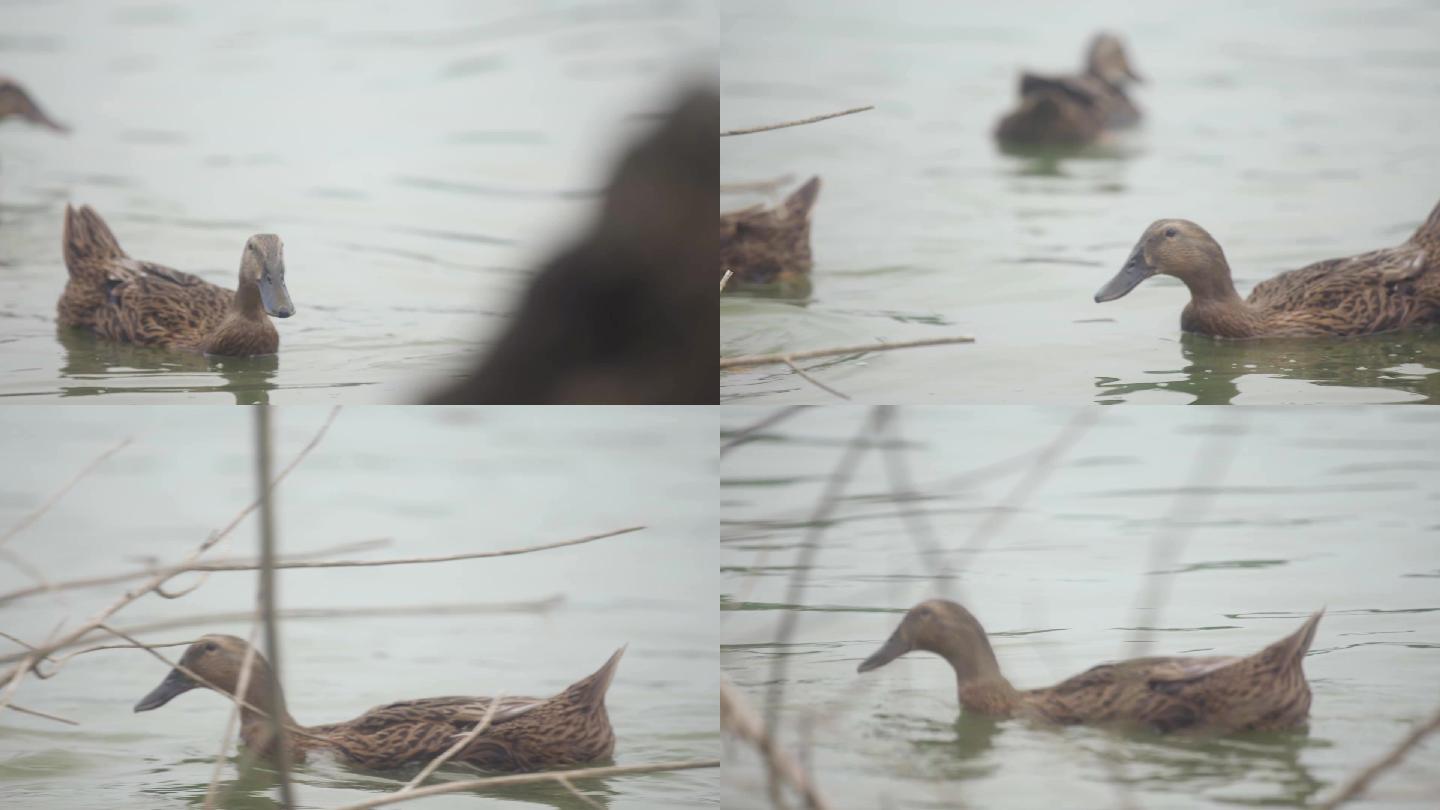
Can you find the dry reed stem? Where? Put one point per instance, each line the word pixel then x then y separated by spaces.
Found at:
pixel 1357 784
pixel 738 718
pixel 758 186
pixel 111 579
pixel 530 779
pixel 208 619
pixel 14 675
pixel 45 507
pixel 267 604
pixel 725 279
pixel 747 361
pixel 241 687
pixel 801 122
pixel 574 791
pixel 807 378
pixel 21 709
pixel 459 745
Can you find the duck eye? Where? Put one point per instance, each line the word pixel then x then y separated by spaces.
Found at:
pixel 210 646
pixel 1170 231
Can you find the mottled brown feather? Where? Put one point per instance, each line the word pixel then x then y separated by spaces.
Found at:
pixel 1264 691
pixel 148 304
pixel 1070 110
pixel 769 246
pixel 525 733
pixel 1379 291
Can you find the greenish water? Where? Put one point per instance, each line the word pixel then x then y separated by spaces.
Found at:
pixel 1293 131
pixel 436 481
pixel 1271 514
pixel 418 160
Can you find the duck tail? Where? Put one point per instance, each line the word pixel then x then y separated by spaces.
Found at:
pixel 87 238
pixel 1289 651
pixel 799 203
pixel 1429 231
pixel 590 691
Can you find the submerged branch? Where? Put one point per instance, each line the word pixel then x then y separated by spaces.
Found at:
pixel 789 357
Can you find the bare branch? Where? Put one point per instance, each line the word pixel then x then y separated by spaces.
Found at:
pixel 789 357
pixel 21 709
pixel 811 120
pixel 739 719
pixel 267 604
pixel 807 378
pixel 1358 783
pixel 242 687
pixel 725 279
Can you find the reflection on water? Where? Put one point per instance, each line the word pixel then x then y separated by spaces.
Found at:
pixel 1407 362
pixel 93 359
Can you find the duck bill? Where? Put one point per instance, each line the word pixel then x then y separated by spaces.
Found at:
pixel 893 648
pixel 276 298
pixel 176 683
pixel 1136 270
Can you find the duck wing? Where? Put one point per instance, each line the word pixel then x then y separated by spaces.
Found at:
pixel 396 734
pixel 1082 89
pixel 1372 292
pixel 151 304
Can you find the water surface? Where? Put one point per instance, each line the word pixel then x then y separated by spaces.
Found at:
pixel 1293 132
pixel 1268 515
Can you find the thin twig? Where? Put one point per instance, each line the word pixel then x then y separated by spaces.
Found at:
pixel 739 719
pixel 210 619
pixel 459 746
pixel 747 361
pixel 45 507
pixel 811 120
pixel 574 791
pixel 726 278
pixel 530 779
pixel 111 579
pixel 758 186
pixel 807 378
pixel 267 605
pixel 750 432
pixel 1358 783
pixel 21 709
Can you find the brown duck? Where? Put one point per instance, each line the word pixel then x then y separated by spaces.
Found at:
pixel 769 246
pixel 1264 691
pixel 1386 289
pixel 525 734
pixel 15 101
pixel 1074 110
pixel 123 299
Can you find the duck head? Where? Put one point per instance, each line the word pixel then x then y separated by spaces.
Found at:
pixel 946 629
pixel 1107 61
pixel 216 659
pixel 262 268
pixel 1175 247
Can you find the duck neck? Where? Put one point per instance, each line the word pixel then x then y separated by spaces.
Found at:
pixel 247 302
pixel 981 687
pixel 255 728
pixel 1215 307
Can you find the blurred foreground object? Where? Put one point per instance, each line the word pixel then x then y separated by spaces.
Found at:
pixel 15 101
pixel 628 314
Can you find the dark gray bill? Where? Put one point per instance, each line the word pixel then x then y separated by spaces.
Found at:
pixel 892 649
pixel 174 684
pixel 1134 272
pixel 275 297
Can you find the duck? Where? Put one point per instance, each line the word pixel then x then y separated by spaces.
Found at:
pixel 1380 291
pixel 524 734
pixel 148 304
pixel 15 101
pixel 769 246
pixel 1073 110
pixel 1266 691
